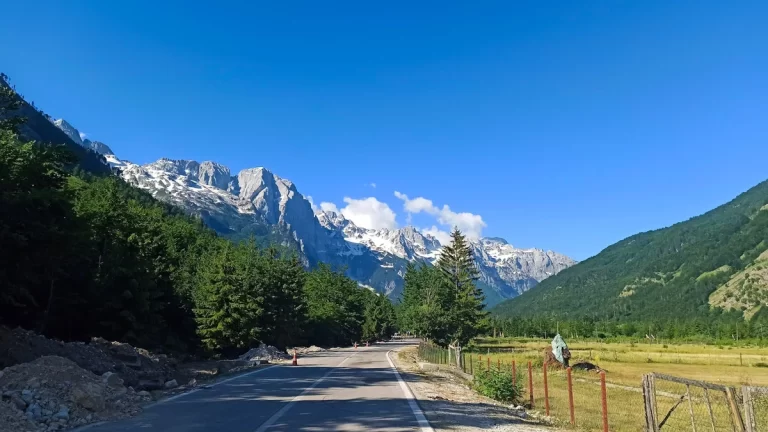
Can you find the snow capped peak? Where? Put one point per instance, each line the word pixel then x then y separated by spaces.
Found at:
pixel 68 129
pixel 257 198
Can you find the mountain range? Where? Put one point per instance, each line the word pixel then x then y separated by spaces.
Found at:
pixel 257 202
pixel 711 266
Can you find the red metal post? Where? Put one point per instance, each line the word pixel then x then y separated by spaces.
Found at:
pixel 489 363
pixel 604 395
pixel 514 373
pixel 570 397
pixel 546 390
pixel 530 382
pixel 498 364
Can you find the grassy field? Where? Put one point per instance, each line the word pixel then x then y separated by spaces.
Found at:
pixel 625 364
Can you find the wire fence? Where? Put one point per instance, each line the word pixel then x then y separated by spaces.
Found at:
pixel 585 400
pixel 570 397
pixel 755 408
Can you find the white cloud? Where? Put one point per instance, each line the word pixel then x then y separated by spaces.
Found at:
pixel 83 135
pixel 368 213
pixel 442 236
pixel 329 207
pixel 311 202
pixel 373 185
pixel 470 224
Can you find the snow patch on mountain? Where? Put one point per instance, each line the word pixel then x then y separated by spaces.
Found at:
pixel 255 199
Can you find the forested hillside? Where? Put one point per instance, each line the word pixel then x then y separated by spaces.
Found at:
pixel 659 276
pixel 84 254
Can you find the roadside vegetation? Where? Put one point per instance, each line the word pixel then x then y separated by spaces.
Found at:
pixel 84 254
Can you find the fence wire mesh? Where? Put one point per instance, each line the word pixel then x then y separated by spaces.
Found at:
pixel 755 408
pixel 679 404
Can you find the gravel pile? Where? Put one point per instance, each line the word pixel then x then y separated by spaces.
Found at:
pixel 137 367
pixel 53 393
pixel 265 352
pixel 305 350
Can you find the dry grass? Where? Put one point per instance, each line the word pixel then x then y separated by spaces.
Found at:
pixel 625 364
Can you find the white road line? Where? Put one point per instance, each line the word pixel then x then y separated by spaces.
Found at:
pixel 421 419
pixel 276 416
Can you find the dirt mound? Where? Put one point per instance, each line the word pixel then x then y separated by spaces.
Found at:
pixel 305 350
pixel 586 366
pixel 137 367
pixel 265 352
pixel 52 393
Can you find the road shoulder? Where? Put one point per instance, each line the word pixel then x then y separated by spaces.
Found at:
pixel 451 405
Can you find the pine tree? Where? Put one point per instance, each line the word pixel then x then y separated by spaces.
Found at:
pixel 458 269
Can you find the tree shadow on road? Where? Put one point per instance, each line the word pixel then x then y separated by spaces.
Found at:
pixel 366 397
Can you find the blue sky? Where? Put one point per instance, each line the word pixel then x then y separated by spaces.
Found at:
pixel 561 125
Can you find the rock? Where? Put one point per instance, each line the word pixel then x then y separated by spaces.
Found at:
pixel 144 394
pixel 34 412
pixel 428 366
pixel 27 396
pixel 18 402
pixel 89 396
pixel 1 374
pixel 111 379
pixel 63 413
pixel 47 412
pixel 34 383
pixel 192 382
pixel 171 384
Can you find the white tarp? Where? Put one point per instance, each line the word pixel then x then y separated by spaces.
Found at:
pixel 557 347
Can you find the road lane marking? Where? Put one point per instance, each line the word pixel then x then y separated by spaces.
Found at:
pixel 276 416
pixel 421 419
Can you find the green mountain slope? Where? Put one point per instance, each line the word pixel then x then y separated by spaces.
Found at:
pixel 663 274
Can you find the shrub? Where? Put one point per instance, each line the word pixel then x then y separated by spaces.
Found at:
pixel 761 365
pixel 497 384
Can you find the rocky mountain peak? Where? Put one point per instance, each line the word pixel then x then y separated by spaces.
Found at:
pixel 70 130
pixel 258 200
pixel 214 174
pixel 98 147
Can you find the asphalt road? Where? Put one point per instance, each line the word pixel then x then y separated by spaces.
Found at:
pixel 344 390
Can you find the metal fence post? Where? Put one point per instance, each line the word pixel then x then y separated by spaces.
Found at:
pixel 514 374
pixel 546 390
pixel 530 381
pixel 604 395
pixel 570 397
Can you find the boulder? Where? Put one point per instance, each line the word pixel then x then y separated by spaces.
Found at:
pixel 171 384
pixel 89 396
pixel 112 379
pixel 428 366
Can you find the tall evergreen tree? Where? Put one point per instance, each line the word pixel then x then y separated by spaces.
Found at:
pixel 458 268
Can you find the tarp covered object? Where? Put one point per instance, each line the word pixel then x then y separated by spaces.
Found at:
pixel 558 344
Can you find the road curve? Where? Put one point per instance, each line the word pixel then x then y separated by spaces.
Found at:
pixel 341 390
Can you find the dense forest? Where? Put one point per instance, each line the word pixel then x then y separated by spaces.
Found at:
pixel 662 278
pixel 84 254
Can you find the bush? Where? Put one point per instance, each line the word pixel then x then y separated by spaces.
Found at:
pixel 497 384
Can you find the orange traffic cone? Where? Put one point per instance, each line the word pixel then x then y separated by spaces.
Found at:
pixel 295 360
